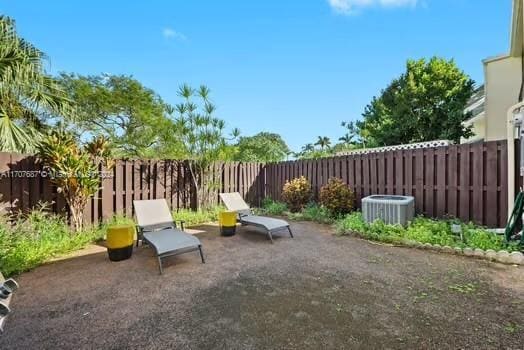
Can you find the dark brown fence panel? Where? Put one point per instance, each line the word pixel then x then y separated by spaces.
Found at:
pixel 464 181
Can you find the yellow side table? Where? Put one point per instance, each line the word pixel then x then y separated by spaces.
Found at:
pixel 228 223
pixel 120 242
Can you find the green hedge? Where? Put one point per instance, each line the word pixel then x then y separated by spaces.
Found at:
pixel 424 230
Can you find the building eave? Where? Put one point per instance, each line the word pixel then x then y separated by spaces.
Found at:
pixel 473 120
pixel 495 58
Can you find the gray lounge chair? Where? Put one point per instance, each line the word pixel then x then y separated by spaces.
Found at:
pixel 234 202
pixel 158 229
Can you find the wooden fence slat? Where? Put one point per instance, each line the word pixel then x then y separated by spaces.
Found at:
pixel 418 169
pixel 366 175
pixel 441 192
pixel 502 155
pixel 381 174
pixel 429 183
pixel 408 176
pixel 107 195
pixel 390 167
pixel 358 179
pixel 478 183
pixel 465 174
pixel 5 182
pixel 128 180
pixel 491 183
pixel 119 187
pixel 453 173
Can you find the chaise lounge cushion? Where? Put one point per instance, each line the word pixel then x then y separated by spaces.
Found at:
pixel 171 241
pixel 262 221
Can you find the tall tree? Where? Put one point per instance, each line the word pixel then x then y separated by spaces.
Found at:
pixel 262 147
pixel 27 94
pixel 132 117
pixel 425 103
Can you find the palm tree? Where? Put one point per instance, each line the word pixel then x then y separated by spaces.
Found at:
pixel 351 133
pixel 346 139
pixel 323 142
pixel 309 147
pixel 27 93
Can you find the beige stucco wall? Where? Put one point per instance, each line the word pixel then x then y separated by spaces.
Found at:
pixel 503 80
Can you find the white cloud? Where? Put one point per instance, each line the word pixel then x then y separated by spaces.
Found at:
pixel 170 33
pixel 350 6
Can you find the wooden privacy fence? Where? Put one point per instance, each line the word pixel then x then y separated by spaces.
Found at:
pixel 23 185
pixel 464 181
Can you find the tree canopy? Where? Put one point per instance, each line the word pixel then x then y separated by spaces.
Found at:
pixel 132 117
pixel 425 103
pixel 262 147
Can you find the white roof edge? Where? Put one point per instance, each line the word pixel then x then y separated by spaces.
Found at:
pixel 474 119
pixel 496 58
pixel 477 104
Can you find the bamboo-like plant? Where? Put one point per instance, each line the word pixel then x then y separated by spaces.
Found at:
pixel 202 135
pixel 73 169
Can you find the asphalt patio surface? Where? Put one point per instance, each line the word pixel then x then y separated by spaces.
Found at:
pixel 314 291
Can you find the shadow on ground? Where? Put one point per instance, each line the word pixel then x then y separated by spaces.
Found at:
pixel 314 291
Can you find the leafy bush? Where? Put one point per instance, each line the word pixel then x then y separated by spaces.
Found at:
pixel 337 197
pixel 73 169
pixel 37 237
pixel 313 212
pixel 424 230
pixel 271 207
pixel 297 193
pixel 201 216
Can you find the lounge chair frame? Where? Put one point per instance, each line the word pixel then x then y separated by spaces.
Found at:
pixel 234 202
pixel 165 227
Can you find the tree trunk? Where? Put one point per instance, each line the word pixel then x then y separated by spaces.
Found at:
pixel 196 184
pixel 76 207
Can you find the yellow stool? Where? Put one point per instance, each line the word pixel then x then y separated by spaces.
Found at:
pixel 228 223
pixel 120 242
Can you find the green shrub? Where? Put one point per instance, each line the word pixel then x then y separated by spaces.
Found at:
pixel 297 193
pixel 424 230
pixel 36 238
pixel 201 216
pixel 313 212
pixel 271 207
pixel 337 197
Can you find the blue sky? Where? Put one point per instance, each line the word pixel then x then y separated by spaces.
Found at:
pixel 297 68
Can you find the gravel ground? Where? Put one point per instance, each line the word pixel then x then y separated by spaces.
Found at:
pixel 314 291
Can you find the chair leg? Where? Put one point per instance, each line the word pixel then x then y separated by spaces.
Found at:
pixel 291 233
pixel 160 264
pixel 201 254
pixel 270 236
